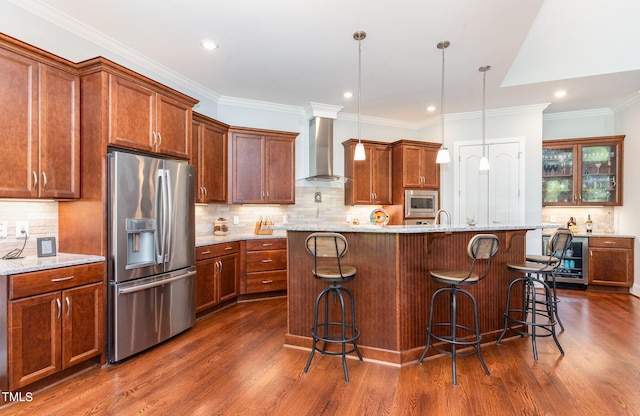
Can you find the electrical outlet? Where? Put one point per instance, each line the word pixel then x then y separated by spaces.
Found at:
pixel 3 228
pixel 236 220
pixel 317 197
pixel 20 227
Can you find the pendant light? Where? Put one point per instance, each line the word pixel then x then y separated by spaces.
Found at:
pixel 484 162
pixel 359 154
pixel 443 153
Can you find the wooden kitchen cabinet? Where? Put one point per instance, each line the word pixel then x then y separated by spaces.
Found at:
pixel 611 261
pixel 210 158
pixel 40 124
pixel 370 182
pixel 583 172
pixel 262 166
pixel 51 330
pixel 217 274
pixel 266 266
pixel 414 165
pixel 145 119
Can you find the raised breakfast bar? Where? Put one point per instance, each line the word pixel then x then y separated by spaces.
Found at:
pixel 392 288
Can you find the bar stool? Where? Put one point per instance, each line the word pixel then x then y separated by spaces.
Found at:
pixel 539 302
pixel 480 247
pixel 327 249
pixel 557 247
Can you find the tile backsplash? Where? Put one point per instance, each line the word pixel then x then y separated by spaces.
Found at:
pixel 604 219
pixel 42 217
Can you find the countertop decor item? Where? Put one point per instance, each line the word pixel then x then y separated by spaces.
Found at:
pixel 221 226
pixel 379 217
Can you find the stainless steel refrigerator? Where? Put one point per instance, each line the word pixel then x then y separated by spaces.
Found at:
pixel 151 251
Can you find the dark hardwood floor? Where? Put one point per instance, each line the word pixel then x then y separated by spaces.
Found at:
pixel 233 363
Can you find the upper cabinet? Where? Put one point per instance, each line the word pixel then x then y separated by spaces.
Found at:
pixel 210 146
pixel 370 182
pixel 582 171
pixel 142 114
pixel 414 167
pixel 144 119
pixel 40 124
pixel 262 166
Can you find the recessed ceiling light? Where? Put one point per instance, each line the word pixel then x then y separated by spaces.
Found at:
pixel 560 93
pixel 431 108
pixel 209 44
pixel 348 94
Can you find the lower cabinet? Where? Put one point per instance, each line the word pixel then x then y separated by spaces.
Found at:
pixel 217 271
pixel 52 330
pixel 266 266
pixel 611 261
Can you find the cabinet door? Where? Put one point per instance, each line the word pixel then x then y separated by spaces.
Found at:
pixel 429 169
pixel 601 174
pixel 34 338
pixel 213 162
pixel 381 174
pixel 559 184
pixel 247 162
pixel 132 121
pixel 411 172
pixel 82 325
pixel 173 127
pixel 59 134
pixel 206 290
pixel 19 125
pixel 362 179
pixel 228 276
pixel 610 267
pixel 279 170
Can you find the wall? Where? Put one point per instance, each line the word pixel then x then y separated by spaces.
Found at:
pixel 626 122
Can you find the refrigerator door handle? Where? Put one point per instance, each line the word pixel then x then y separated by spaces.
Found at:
pixel 160 205
pixel 168 210
pixel 146 286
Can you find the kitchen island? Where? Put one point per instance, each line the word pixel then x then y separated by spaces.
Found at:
pixel 392 288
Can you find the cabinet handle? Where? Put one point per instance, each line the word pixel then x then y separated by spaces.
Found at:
pixel 35 180
pixel 229 248
pixel 609 242
pixel 220 266
pixel 59 308
pixel 267 244
pixel 206 193
pixel 206 252
pixel 155 139
pixel 267 194
pixel 160 137
pixel 267 282
pixel 591 253
pixel 44 180
pixel 267 261
pixel 63 279
pixel 68 305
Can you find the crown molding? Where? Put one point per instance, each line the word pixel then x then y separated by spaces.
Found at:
pixel 507 111
pixel 261 105
pixel 568 115
pixel 627 102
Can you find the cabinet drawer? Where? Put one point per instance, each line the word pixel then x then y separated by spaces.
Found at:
pixel 266 281
pixel 216 250
pixel 35 283
pixel 611 242
pixel 258 261
pixel 268 244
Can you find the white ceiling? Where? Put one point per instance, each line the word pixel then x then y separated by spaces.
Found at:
pixel 293 52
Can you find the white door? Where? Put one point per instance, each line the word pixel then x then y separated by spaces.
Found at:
pixel 493 196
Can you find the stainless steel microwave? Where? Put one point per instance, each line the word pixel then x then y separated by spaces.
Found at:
pixel 420 203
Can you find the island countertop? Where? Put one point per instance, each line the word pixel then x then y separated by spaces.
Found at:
pixel 403 229
pixel 392 288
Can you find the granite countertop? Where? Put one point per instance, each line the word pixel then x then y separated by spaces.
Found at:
pixel 402 229
pixel 217 239
pixel 35 263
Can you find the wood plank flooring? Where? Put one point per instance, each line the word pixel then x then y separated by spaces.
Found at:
pixel 233 363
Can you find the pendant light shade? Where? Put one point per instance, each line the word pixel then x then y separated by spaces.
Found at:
pixel 443 153
pixel 484 162
pixel 359 154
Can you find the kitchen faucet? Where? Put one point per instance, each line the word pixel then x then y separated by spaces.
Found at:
pixel 438 217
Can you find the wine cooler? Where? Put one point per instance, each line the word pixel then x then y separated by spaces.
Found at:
pixel 574 266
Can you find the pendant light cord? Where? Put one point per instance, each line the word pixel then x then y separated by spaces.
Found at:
pixel 442 98
pixel 359 82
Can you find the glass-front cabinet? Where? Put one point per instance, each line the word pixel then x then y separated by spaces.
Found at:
pixel 582 171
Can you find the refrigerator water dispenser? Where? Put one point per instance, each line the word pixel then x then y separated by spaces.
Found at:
pixel 141 238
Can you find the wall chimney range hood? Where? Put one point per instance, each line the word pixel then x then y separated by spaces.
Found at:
pixel 321 143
